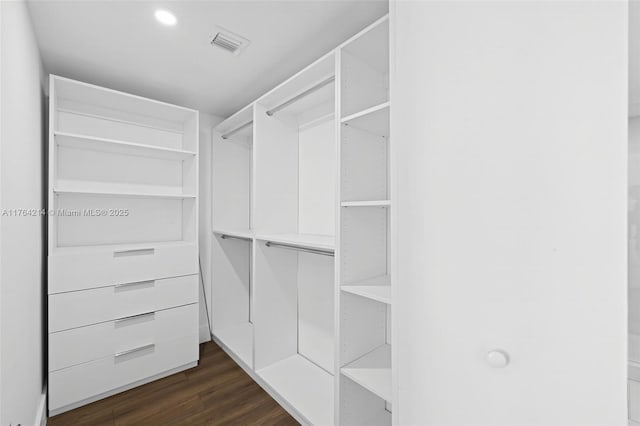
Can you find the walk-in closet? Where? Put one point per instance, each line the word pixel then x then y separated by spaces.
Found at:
pixel 323 213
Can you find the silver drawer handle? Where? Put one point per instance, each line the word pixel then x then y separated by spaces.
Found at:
pixel 134 252
pixel 134 283
pixel 130 351
pixel 131 317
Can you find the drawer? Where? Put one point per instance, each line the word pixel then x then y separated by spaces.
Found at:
pixel 91 379
pixel 79 345
pixel 80 308
pixel 634 400
pixel 90 267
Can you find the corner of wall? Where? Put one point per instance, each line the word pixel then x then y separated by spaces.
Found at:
pixel 207 123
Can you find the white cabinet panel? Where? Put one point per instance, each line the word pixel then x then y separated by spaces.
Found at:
pixel 78 269
pixel 79 345
pixel 80 308
pixel 75 384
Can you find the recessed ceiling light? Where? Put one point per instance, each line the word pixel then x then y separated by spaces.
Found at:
pixel 165 17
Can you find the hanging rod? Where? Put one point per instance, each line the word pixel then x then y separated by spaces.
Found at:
pixel 236 130
pixel 300 248
pixel 234 237
pixel 301 95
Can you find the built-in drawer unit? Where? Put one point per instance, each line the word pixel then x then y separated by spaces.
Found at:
pixel 79 269
pixel 79 345
pixel 73 386
pixel 86 307
pixel 123 273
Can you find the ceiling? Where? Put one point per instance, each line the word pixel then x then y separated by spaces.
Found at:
pixel 119 44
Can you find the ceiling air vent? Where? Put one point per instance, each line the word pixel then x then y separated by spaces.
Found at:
pixel 229 41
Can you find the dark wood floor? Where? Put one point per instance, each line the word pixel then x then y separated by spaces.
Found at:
pixel 216 392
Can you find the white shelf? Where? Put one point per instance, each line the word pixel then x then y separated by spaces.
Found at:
pixel 323 242
pixel 304 385
pixel 373 372
pixel 377 288
pixel 374 203
pixel 240 118
pixel 374 120
pixel 239 339
pixel 237 232
pixel 71 140
pixel 123 194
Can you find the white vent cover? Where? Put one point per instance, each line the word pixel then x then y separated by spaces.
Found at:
pixel 225 39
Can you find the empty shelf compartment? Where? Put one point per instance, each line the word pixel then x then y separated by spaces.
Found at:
pixel 238 339
pixel 372 371
pixel 376 288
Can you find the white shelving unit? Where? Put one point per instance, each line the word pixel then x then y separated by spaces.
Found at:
pixel 295 202
pixel 301 282
pixel 365 382
pixel 123 254
pixel 232 293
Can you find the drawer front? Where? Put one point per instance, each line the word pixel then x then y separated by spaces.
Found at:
pixel 634 400
pixel 79 345
pixel 91 268
pixel 75 384
pixel 86 307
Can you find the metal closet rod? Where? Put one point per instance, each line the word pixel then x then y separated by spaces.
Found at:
pixel 285 104
pixel 236 130
pixel 300 248
pixel 233 237
pixel 301 95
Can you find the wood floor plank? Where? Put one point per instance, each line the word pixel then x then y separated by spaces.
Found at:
pixel 215 393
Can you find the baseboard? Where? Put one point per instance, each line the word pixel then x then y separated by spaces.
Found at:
pixel 41 415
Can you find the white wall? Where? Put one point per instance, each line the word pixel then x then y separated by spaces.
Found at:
pixel 634 57
pixel 634 257
pixel 207 122
pixel 510 133
pixel 21 243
